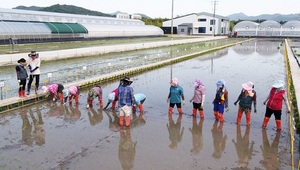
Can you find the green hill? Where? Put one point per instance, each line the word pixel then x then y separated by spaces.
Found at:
pixel 69 9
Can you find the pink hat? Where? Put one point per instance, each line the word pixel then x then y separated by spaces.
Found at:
pixel 174 82
pixel 247 86
pixel 198 83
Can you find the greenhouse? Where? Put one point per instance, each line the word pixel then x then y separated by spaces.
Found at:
pixel 291 29
pixel 33 26
pixel 269 28
pixel 245 29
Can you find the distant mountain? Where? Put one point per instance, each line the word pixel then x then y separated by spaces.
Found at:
pixel 32 8
pixel 276 17
pixel 69 9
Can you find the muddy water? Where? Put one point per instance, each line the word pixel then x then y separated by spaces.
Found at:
pixel 52 136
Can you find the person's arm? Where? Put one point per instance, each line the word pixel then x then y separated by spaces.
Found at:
pixel 168 99
pixel 238 99
pixel 18 72
pixel 287 104
pixel 266 99
pixel 226 99
pixel 254 102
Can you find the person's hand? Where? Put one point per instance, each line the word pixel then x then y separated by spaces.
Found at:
pixel 227 109
pixel 191 100
pixel 255 111
pixel 64 103
pixel 183 102
pixel 264 103
pixel 87 106
pixel 235 103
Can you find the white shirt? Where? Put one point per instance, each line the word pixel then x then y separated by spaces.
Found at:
pixel 34 63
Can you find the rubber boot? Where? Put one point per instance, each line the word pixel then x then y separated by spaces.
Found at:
pixel 113 105
pixel 248 119
pixel 121 120
pixel 20 94
pixel 201 113
pixel 265 123
pixel 179 110
pixel 216 115
pixel 221 117
pixel 170 110
pixel 278 125
pixel 101 103
pixel 127 121
pixel 60 96
pixel 141 108
pixel 194 112
pixel 23 93
pixel 239 117
pixel 90 103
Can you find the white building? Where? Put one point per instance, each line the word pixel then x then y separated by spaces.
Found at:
pixel 34 26
pixel 198 24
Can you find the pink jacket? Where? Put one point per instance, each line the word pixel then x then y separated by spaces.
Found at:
pixel 73 90
pixel 53 88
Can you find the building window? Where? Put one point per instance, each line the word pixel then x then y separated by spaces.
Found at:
pixel 210 28
pixel 212 22
pixel 182 30
pixel 201 19
pixel 202 30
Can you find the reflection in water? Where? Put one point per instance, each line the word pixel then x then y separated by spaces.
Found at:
pixel 113 122
pixel 72 113
pixel 243 150
pixel 26 129
pixel 95 117
pixel 219 141
pixel 175 135
pixel 196 131
pixel 270 152
pixel 55 110
pixel 126 149
pixel 138 121
pixel 262 47
pixel 38 133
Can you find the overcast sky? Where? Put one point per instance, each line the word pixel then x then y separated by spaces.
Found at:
pixel 162 8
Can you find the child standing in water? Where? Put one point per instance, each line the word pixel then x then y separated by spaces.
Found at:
pixel 21 76
pixel 198 98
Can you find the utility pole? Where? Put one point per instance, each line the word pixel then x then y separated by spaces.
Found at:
pixel 172 19
pixel 214 16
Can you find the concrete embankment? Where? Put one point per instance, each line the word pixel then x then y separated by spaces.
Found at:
pixel 11 59
pixel 295 71
pixel 16 102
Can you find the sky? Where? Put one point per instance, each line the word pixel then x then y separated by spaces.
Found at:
pixel 163 8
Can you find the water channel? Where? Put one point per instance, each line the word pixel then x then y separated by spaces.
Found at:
pixel 52 136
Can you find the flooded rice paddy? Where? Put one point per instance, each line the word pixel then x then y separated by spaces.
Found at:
pixel 72 70
pixel 52 136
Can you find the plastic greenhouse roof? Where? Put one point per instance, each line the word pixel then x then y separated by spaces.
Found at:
pixel 270 23
pixel 66 28
pixel 23 28
pixel 289 24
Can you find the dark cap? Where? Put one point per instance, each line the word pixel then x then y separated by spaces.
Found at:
pixel 22 60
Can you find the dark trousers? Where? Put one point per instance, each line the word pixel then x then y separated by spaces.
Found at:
pixel 22 84
pixel 37 82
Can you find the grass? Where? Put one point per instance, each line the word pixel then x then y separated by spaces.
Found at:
pixel 49 46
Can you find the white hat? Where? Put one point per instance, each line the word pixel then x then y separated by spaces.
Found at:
pixel 66 92
pixel 111 97
pixel 278 84
pixel 44 89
